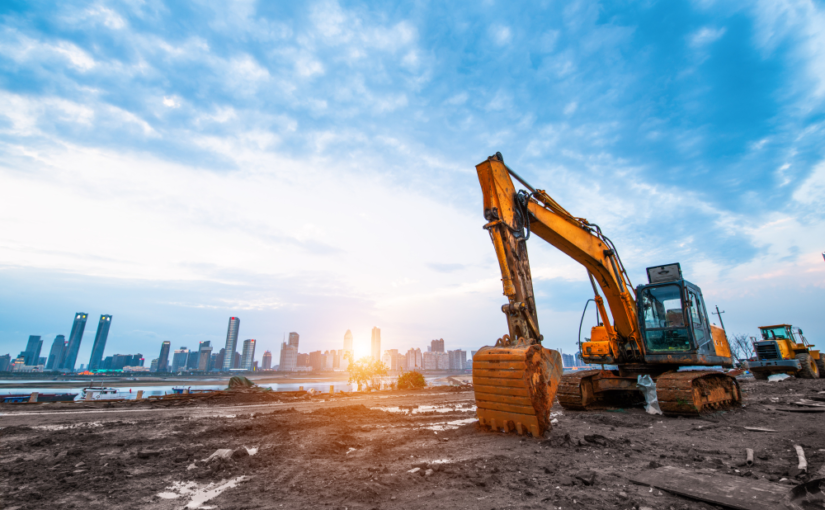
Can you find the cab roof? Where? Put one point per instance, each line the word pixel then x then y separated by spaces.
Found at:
pixel 776 326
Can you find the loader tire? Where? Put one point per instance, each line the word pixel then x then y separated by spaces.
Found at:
pixel 820 364
pixel 809 370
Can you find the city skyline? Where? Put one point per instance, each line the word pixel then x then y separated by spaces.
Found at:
pixel 59 347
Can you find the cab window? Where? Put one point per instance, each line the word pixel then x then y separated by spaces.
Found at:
pixel 775 334
pixel 664 318
pixel 697 318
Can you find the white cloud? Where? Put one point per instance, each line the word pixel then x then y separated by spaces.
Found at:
pixel 109 17
pixel 812 191
pixel 501 34
pixel 458 99
pixel 801 21
pixel 171 102
pixel 705 36
pixel 571 107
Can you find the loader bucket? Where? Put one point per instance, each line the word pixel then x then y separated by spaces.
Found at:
pixel 515 387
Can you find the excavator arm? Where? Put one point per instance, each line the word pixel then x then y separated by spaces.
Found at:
pixel 512 217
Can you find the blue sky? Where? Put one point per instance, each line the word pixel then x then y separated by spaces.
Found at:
pixel 309 166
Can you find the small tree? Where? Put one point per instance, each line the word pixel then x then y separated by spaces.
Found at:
pixel 365 370
pixel 411 380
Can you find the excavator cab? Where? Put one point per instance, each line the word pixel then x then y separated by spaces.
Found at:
pixel 674 322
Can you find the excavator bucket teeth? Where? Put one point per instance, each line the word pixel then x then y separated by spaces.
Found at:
pixel 515 387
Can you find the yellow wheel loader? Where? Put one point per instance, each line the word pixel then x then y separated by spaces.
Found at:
pixel 785 351
pixel 656 328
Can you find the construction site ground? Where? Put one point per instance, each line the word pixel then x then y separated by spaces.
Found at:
pixel 386 450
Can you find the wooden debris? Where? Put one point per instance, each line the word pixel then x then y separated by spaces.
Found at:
pixel 718 489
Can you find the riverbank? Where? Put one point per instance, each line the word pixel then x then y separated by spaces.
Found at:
pixel 197 380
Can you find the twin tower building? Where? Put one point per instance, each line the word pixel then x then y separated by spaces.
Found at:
pixel 63 354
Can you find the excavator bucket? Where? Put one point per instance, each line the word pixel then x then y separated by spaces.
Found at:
pixel 515 387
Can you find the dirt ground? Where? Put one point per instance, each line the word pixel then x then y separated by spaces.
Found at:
pixel 414 449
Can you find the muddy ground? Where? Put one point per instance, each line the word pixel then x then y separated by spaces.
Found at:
pixel 362 452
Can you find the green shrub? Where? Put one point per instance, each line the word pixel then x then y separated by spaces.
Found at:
pixel 411 380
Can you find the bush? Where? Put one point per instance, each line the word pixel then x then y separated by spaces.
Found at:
pixel 411 381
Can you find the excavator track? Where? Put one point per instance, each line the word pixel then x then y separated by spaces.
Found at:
pixel 696 392
pixel 576 390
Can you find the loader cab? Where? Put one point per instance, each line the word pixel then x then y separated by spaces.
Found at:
pixel 673 320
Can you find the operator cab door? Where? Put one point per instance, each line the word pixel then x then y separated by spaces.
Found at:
pixel 700 326
pixel 665 319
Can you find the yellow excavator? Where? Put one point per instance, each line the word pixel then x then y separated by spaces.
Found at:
pixel 656 328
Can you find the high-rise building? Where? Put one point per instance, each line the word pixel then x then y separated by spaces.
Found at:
pixel 75 337
pixel 302 360
pixel 163 359
pixel 348 341
pixel 193 359
pixel 218 363
pixel 316 361
pixel 436 361
pixel 205 356
pixel 266 361
pixel 56 353
pixel 32 353
pixel 100 341
pixel 154 366
pixel 457 359
pixel 231 343
pixel 568 360
pixel 179 358
pixel 329 360
pixel 376 344
pixel 5 363
pixel 236 360
pixel 288 358
pixel 294 338
pixel 437 345
pixel 394 360
pixel 414 360
pixel 248 357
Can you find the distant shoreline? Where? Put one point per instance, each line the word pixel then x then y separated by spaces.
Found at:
pixel 205 380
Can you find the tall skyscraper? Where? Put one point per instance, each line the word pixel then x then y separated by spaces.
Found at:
pixel 231 342
pixel 248 356
pixel 348 340
pixel 293 339
pixel 219 357
pixel 266 361
pixel 179 358
pixel 289 358
pixel 437 345
pixel 205 356
pixel 163 359
pixel 56 353
pixel 75 337
pixel 32 352
pixel 100 341
pixel 5 363
pixel 376 344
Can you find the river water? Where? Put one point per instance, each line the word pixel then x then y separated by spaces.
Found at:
pixel 124 391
